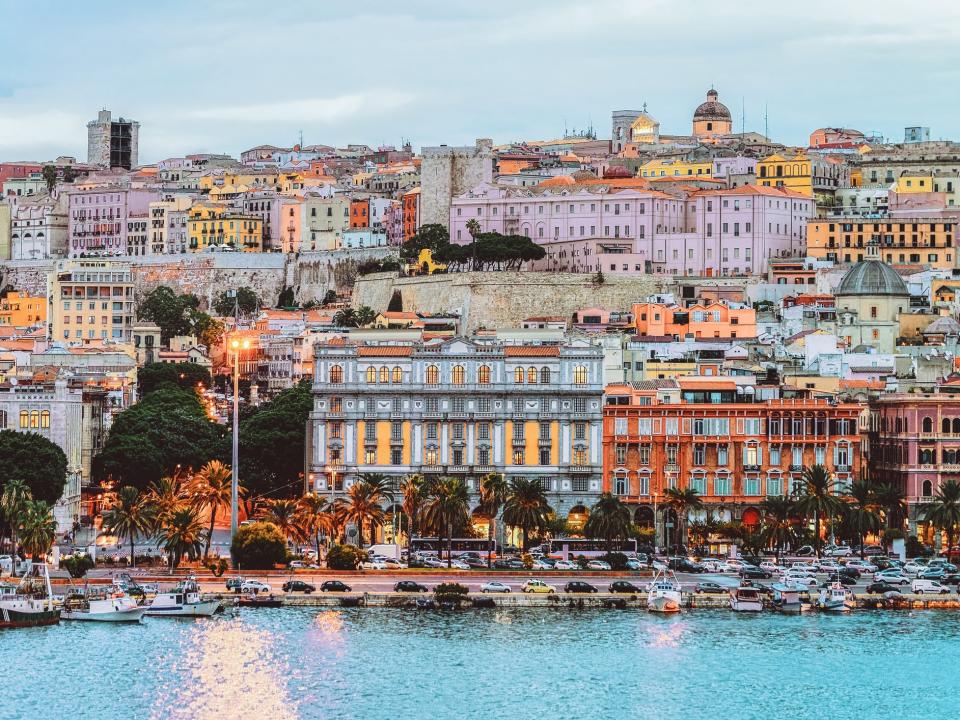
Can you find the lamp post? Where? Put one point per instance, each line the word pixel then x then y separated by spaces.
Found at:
pixel 237 346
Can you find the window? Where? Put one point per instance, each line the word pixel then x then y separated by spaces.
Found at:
pixel 396 430
pixel 579 405
pixel 580 375
pixel 483 375
pixel 397 375
pixel 336 430
pixel 544 456
pixel 579 431
pixel 458 433
pixel 371 375
pixel 483 405
pixel 927 425
pixel 751 486
pixel 384 374
pixel 3 419
pixel 621 454
pixel 752 455
pixel 532 376
pixel 723 455
pixel 396 456
pixel 45 419
pixel 432 405
pixel 699 454
pixel 457 376
pixel 483 456
pixel 431 431
pixel 544 375
pixel 24 419
pixel 698 483
pixel 619 426
pixel 336 374
pixel 370 431
pixel 518 457
pixel 518 376
pixel 774 485
pixel 370 457
pixel 518 430
pixel 722 485
pixel 579 457
pixel 433 375
pixel 544 431
pixel 430 457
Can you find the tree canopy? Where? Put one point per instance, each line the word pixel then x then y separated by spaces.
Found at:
pixel 246 300
pixel 154 376
pixel 490 251
pixel 179 315
pixel 430 237
pixel 36 461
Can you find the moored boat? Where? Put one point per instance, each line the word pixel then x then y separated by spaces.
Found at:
pixel 745 598
pixel 111 604
pixel 31 605
pixel 260 601
pixel 184 600
pixel 834 598
pixel 786 597
pixel 664 594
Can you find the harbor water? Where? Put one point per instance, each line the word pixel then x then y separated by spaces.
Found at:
pixel 374 664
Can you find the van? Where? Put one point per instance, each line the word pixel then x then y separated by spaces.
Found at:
pixel 928 586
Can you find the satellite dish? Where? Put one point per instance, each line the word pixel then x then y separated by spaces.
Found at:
pixel 13 381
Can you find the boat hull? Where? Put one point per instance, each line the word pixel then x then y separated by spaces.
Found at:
pixel 754 606
pixel 116 616
pixel 200 609
pixel 790 608
pixel 12 619
pixel 661 604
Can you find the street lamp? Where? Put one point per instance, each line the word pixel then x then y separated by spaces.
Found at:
pixel 237 346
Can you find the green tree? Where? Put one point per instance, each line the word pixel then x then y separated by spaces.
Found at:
pixel 526 507
pixel 818 500
pixel 208 330
pixel 682 500
pixel 447 509
pixel 246 301
pixel 891 499
pixel 69 174
pixel 165 497
pixel 50 177
pixel 38 528
pixel 181 535
pixel 186 376
pixel 346 318
pixel 13 504
pixel 412 499
pixel 168 310
pixel 430 237
pixel 344 557
pixel 777 521
pixel 39 463
pixel 314 518
pixel 861 512
pixel 365 316
pixel 129 514
pixel 494 491
pixel 944 512
pixel 212 490
pixel 258 546
pixel 609 519
pixel 284 514
pixel 361 506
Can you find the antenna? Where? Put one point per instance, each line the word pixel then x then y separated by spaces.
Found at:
pixel 743 119
pixel 766 123
pixel 301 139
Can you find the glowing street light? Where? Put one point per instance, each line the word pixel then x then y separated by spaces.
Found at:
pixel 237 345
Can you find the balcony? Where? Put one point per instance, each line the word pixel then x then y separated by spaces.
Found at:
pixel 797 468
pixel 751 468
pixel 519 442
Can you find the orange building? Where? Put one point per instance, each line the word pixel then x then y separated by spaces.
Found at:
pixel 702 320
pixel 20 310
pixel 410 205
pixel 360 213
pixel 902 241
pixel 705 434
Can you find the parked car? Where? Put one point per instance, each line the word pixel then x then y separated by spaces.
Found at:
pixel 805 551
pixel 712 565
pixel 752 572
pixel 494 586
pixel 302 565
pixel 432 562
pixel 913 567
pixel 684 565
pixel 298 586
pixel 845 580
pixel 861 565
pixel 932 573
pixel 950 579
pixel 891 576
pixel 633 564
pixel 623 586
pixel 947 567
pixel 710 588
pixel 770 566
pixel 871 550
pixel 374 564
pixel 837 551
pixel 254 586
pixel 829 566
pixel 234 583
pixel 537 586
pixel 409 586
pixel 579 586
pixel 334 586
pixel 882 586
pixel 459 565
pixel 474 563
pixel 565 565
pixel 921 587
pixel 803 567
pixel 598 565
pixel 800 578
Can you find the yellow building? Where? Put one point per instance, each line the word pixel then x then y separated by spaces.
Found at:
pixel 256 179
pixel 218 225
pixel 91 301
pixel 803 173
pixel 914 183
pixel 914 241
pixel 676 168
pixel 910 183
pixel 22 311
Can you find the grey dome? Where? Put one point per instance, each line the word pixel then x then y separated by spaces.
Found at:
pixel 872 277
pixel 943 326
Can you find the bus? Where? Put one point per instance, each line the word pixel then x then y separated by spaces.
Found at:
pixel 569 548
pixel 458 546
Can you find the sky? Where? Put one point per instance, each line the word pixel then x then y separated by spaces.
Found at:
pixel 226 75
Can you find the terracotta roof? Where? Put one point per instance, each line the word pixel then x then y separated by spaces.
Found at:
pixel 706 384
pixel 869 384
pixel 758 190
pixel 385 351
pixel 399 315
pixel 531 351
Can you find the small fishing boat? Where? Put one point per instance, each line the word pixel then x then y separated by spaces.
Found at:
pixel 31 604
pixel 664 594
pixel 260 601
pixel 834 598
pixel 786 598
pixel 745 598
pixel 111 604
pixel 184 600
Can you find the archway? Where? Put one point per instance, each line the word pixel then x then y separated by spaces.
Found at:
pixel 577 518
pixel 644 516
pixel 751 517
pixel 480 521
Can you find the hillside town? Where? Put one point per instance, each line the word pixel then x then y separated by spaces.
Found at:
pixel 696 308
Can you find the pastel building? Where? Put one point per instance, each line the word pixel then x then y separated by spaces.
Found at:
pixel 38 229
pixel 91 301
pixel 699 320
pixel 97 219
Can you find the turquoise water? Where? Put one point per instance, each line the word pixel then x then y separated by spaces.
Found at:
pixel 390 664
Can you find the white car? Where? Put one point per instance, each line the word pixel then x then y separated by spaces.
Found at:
pixel 913 567
pixel 543 564
pixel 432 562
pixel 494 587
pixel 928 586
pixel 254 586
pixel 712 565
pixel 799 578
pixel 738 564
pixel 803 567
pixel 829 566
pixel 770 566
pixel 459 565
pixel 565 565
pixel 375 564
pixel 598 565
pixel 892 576
pixel 838 551
pixel 862 565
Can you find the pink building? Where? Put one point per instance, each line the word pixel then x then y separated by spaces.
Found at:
pixel 586 228
pixel 98 219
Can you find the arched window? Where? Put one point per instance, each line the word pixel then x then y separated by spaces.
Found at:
pixel 544 375
pixel 580 375
pixel 927 425
pixel 532 376
pixel 45 419
pixel 397 375
pixel 371 375
pixel 3 419
pixel 926 456
pixel 945 425
pixel 518 376
pixel 927 490
pixel 483 375
pixel 956 426
pixel 384 374
pixel 457 376
pixel 433 375
pixel 24 419
pixel 336 374
pixel 34 418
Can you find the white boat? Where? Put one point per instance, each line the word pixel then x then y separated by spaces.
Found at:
pixel 30 604
pixel 745 599
pixel 786 597
pixel 184 600
pixel 663 593
pixel 110 605
pixel 834 598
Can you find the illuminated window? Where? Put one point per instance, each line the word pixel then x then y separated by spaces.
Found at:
pixel 24 419
pixel 45 419
pixel 430 457
pixel 433 375
pixel 35 419
pixel 397 375
pixel 336 404
pixel 370 457
pixel 518 376
pixel 579 457
pixel 336 374
pixel 532 376
pixel 457 376
pixel 518 457
pixel 580 375
pixel 371 375
pixel 483 375
pixel 384 374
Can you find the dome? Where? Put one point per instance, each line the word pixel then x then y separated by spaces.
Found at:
pixel 712 109
pixel 558 181
pixel 943 326
pixel 872 277
pixel 616 171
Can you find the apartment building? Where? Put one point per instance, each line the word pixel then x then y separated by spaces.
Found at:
pixel 91 301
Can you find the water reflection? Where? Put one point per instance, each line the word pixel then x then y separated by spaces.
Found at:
pixel 225 669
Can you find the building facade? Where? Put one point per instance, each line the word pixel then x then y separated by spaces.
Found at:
pixel 91 301
pixel 447 172
pixel 113 143
pixel 915 241
pixel 461 408
pixel 38 229
pixel 98 219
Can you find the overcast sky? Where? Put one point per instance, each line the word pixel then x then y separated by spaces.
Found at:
pixel 225 75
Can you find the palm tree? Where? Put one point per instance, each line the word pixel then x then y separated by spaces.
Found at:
pixel 447 509
pixel 380 482
pixel 493 494
pixel 411 492
pixel 284 514
pixel 609 519
pixel 891 498
pixel 212 489
pixel 682 501
pixel 526 507
pixel 38 528
pixel 314 517
pixel 777 521
pixel 129 515
pixel 181 534
pixel 166 496
pixel 818 499
pixel 13 502
pixel 345 317
pixel 861 511
pixel 365 316
pixel 361 506
pixel 944 512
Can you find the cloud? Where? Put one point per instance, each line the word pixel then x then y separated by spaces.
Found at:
pixel 317 110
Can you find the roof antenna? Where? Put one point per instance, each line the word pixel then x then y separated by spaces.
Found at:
pixel 766 123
